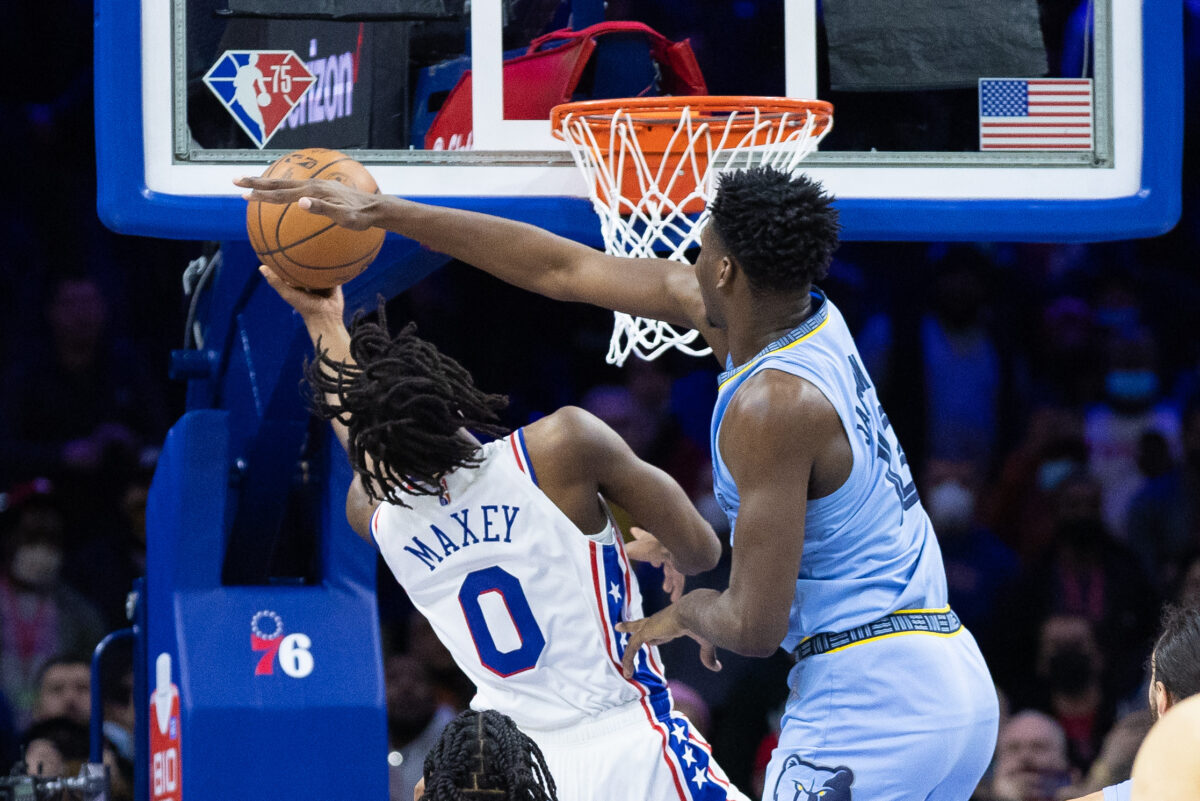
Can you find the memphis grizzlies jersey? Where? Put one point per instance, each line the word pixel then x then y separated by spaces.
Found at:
pixel 523 600
pixel 869 549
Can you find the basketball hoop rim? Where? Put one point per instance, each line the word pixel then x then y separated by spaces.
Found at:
pixel 600 112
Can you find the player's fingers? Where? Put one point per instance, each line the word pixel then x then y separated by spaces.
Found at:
pixel 633 644
pixel 708 655
pixel 274 280
pixel 640 551
pixel 269 184
pixel 342 215
pixel 673 584
pixel 629 660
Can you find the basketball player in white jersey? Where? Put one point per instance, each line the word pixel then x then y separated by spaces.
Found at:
pixel 1174 677
pixel 834 558
pixel 509 551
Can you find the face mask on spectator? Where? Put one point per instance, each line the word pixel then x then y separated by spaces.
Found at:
pixel 1069 671
pixel 951 506
pixel 1131 386
pixel 36 565
pixel 1050 474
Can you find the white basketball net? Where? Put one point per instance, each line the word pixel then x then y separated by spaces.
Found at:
pixel 649 221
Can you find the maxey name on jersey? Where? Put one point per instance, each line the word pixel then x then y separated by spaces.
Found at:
pixel 470 526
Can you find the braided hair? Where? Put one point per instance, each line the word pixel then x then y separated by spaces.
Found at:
pixel 404 403
pixel 483 756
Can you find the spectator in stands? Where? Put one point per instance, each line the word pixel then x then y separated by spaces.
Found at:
pixel 1021 505
pixel 1085 574
pixel 1158 520
pixel 1070 681
pixel 1031 761
pixel 415 722
pixel 55 747
pixel 959 345
pixel 1133 404
pixel 78 408
pixel 1066 359
pixel 978 565
pixel 116 689
pixel 1187 591
pixel 40 615
pixel 64 687
pixel 104 567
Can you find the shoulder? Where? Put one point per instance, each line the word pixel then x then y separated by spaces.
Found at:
pixel 567 432
pixel 786 402
pixel 779 417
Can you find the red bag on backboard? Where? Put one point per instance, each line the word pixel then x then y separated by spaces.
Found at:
pixel 540 79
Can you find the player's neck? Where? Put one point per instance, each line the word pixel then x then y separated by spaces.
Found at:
pixel 766 320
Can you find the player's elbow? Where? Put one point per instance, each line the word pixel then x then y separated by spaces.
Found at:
pixel 759 638
pixel 703 555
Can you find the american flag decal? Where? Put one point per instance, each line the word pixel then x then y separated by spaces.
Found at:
pixel 1035 114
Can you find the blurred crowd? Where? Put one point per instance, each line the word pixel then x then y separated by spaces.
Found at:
pixel 1048 397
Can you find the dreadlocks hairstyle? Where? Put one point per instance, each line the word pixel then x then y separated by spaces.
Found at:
pixel 483 755
pixel 403 402
pixel 1177 652
pixel 781 228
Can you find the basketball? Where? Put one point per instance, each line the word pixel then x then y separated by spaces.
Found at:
pixel 305 249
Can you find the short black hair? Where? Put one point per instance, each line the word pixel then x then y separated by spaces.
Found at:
pixel 69 737
pixel 404 403
pixel 781 228
pixel 483 755
pixel 1177 652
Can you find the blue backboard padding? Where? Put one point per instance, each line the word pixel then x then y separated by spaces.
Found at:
pixel 244 735
pixel 127 206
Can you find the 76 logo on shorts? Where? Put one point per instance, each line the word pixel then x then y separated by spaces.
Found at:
pixel 291 651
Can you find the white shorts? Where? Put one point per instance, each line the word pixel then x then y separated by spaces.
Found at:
pixel 628 753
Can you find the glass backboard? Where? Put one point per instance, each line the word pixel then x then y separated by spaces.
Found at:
pixel 954 119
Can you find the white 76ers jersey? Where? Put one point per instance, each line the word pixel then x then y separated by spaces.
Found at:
pixel 524 601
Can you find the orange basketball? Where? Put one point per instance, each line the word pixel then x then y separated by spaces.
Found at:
pixel 306 249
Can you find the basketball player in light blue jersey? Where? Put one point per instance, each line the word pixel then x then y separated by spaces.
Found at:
pixel 834 558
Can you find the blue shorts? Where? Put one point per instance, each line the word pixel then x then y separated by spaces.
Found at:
pixel 903 718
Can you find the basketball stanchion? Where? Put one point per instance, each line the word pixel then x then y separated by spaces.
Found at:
pixel 651 166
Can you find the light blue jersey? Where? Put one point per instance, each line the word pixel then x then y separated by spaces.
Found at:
pixel 869 549
pixel 871 715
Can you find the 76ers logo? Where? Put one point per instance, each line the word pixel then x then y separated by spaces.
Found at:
pixel 291 651
pixel 259 88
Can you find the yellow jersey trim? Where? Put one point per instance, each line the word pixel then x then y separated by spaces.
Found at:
pixel 762 356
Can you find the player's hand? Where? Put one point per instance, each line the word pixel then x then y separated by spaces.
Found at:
pixel 346 206
pixel 659 628
pixel 646 548
pixel 312 304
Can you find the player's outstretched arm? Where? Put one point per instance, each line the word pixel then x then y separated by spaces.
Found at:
pixel 323 313
pixel 517 253
pixel 770 436
pixel 576 456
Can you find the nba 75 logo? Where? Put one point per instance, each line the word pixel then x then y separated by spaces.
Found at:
pixel 292 651
pixel 259 88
